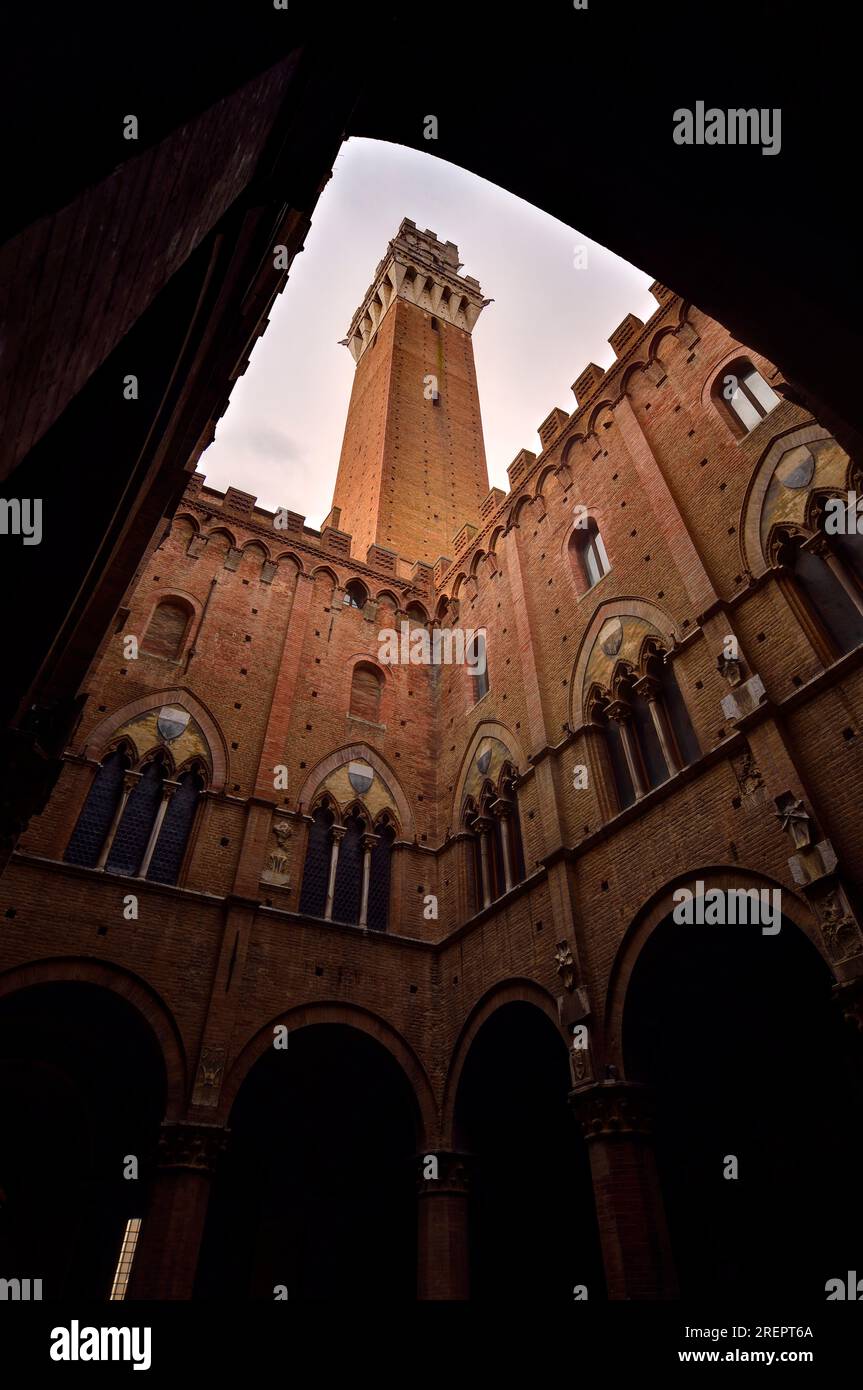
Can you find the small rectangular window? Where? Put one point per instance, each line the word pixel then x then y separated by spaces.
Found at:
pixel 127 1255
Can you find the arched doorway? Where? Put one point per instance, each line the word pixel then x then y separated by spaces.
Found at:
pixel 82 1088
pixel 736 1033
pixel 317 1189
pixel 533 1227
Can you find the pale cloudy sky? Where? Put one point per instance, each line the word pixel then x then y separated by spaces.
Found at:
pixel 281 435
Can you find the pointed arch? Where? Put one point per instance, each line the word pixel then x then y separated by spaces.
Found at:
pixel 491 729
pixel 223 531
pixel 642 609
pixel 293 557
pixel 752 549
pixel 99 737
pixel 360 752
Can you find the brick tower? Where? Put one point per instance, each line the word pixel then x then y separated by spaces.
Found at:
pixel 412 470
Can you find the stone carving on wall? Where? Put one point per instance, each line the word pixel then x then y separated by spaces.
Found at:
pixel 565 965
pixel 795 820
pixel 745 698
pixel 193 1146
pixel 730 668
pixel 211 1066
pixel 839 927
pixel 275 870
pixel 747 772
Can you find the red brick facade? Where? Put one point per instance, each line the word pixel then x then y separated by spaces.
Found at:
pixel 686 505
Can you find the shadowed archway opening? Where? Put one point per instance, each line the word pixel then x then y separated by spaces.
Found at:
pixel 317 1189
pixel 82 1087
pixel 533 1232
pixel 737 1034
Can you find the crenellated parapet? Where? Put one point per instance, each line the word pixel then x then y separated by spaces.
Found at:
pixel 635 345
pixel 424 271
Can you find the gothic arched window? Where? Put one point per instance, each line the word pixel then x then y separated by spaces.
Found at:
pixel 356 594
pixel 826 596
pixel 742 396
pixel 474 863
pixel 377 916
pixel 97 815
pixel 647 731
pixel 132 838
pixel 366 687
pixel 587 555
pixel 496 859
pixel 170 847
pixel 167 628
pixel 349 872
pixel 316 869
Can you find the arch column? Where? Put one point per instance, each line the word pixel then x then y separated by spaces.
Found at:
pixel 502 810
pixel 443 1260
pixel 616 1120
pixel 620 712
pixel 483 825
pixel 369 842
pixel 130 781
pixel 820 545
pixel 166 1259
pixel 338 832
pixel 650 688
pixel 168 789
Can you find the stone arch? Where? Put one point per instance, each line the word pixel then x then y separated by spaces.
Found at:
pixel 605 404
pixel 667 330
pixel 140 995
pixel 495 537
pixel 192 520
pixel 256 544
pixel 658 907
pixel 488 728
pixel 751 550
pixel 293 557
pixel 634 370
pixel 478 556
pixel 546 473
pixel 100 735
pixel 570 448
pixel 517 990
pixel 420 611
pixel 328 571
pixel 360 752
pixel 387 596
pixel 620 607
pixel 223 531
pixel 526 500
pixel 351 1016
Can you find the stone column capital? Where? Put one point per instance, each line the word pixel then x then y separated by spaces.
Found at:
pixel 338 832
pixel 613 1109
pixel 619 710
pixel 453 1173
pixel 190 1146
pixel 648 687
